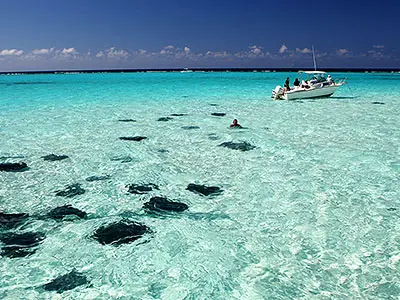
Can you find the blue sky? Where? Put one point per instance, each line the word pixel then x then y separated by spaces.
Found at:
pixel 98 34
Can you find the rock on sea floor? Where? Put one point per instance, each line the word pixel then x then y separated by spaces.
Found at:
pixel 242 146
pixel 60 212
pixel 162 204
pixel 121 232
pixel 204 190
pixel 12 220
pixel 66 282
pixel 13 167
pixel 20 244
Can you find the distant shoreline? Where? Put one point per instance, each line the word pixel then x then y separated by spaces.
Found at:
pixel 261 70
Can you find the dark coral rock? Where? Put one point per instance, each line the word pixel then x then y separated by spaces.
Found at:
pixel 54 157
pixel 60 212
pixel 141 189
pixel 98 178
pixel 20 245
pixel 204 190
pixel 13 167
pixel 71 191
pixel 127 120
pixel 213 104
pixel 133 138
pixel 123 159
pixel 122 232
pixel 178 115
pixel 165 119
pixel 190 127
pixel 218 114
pixel 162 204
pixel 66 282
pixel 242 146
pixel 12 220
pixel 377 102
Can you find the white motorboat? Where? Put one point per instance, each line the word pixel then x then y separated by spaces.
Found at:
pixel 317 85
pixel 186 70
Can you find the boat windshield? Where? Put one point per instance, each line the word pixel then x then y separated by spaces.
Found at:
pixel 316 76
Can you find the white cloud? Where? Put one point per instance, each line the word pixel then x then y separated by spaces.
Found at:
pixel 256 50
pixel 283 49
pixel 100 54
pixel 253 52
pixel 303 51
pixel 378 46
pixel 218 54
pixel 69 51
pixel 113 52
pixel 11 52
pixel 172 51
pixel 42 51
pixel 167 50
pixel 342 51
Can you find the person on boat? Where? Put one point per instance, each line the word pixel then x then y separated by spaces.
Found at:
pixel 235 124
pixel 296 82
pixel 304 84
pixel 329 79
pixel 287 85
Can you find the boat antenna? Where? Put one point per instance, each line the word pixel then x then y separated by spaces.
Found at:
pixel 313 55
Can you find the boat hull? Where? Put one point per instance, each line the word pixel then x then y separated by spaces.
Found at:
pixel 310 93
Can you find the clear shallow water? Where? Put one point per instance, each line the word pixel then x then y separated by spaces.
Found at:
pixel 311 212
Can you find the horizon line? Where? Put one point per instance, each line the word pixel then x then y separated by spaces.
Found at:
pixel 132 70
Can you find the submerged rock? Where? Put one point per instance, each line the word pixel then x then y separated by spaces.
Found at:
pixel 133 138
pixel 60 212
pixel 141 189
pixel 123 159
pixel 12 220
pixel 127 120
pixel 177 115
pixel 377 102
pixel 162 204
pixel 165 119
pixel 71 191
pixel 204 190
pixel 54 157
pixel 162 151
pixel 13 167
pixel 98 178
pixel 213 136
pixel 20 245
pixel 218 114
pixel 242 146
pixel 190 127
pixel 122 232
pixel 66 282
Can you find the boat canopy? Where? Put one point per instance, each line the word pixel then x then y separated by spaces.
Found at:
pixel 313 72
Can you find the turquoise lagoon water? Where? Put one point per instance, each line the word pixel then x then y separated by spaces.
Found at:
pixel 311 213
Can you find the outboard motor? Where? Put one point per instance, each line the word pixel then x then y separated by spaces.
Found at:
pixel 277 92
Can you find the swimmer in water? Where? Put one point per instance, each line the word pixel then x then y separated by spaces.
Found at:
pixel 235 124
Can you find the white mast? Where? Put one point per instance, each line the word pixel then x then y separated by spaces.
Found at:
pixel 313 54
